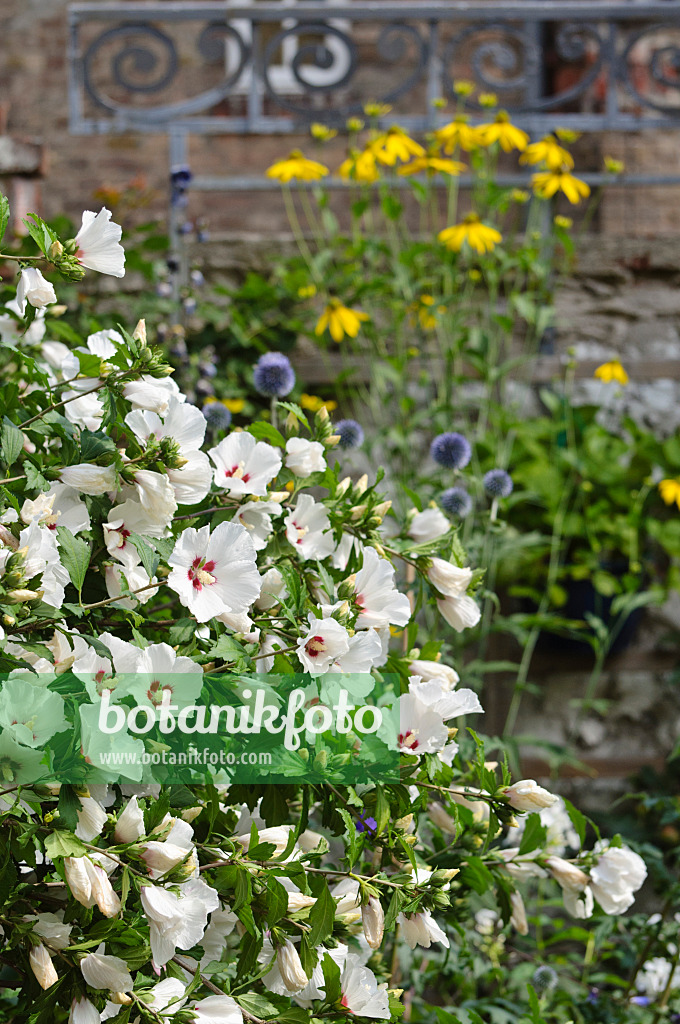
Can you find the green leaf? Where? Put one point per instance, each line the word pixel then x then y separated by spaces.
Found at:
pixel 75 556
pixel 393 910
pixel 267 432
pixel 12 441
pixel 534 834
pixel 4 215
pixel 322 917
pixel 64 844
pixel 331 977
pixel 69 805
pixel 382 810
pixel 296 411
pixel 148 556
pixel 309 957
pixel 476 875
pixel 277 900
pixel 578 820
pixel 230 650
pixel 259 1006
pixel 95 444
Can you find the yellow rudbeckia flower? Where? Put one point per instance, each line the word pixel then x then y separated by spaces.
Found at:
pixel 340 320
pixel 321 132
pixel 502 131
pixel 547 183
pixel 424 308
pixel 613 370
pixel 432 164
pixel 234 405
pixel 296 167
pixel 458 133
pixel 360 166
pixel 670 491
pixel 549 152
pixel 313 403
pixel 395 145
pixel 480 237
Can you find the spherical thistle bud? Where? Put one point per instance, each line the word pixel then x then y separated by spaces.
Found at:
pixel 498 483
pixel 544 979
pixel 373 921
pixel 273 375
pixel 217 416
pixel 350 432
pixel 456 501
pixel 451 450
pixel 55 251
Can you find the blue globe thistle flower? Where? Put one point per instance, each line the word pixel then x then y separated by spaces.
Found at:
pixel 273 375
pixel 498 483
pixel 451 450
pixel 457 501
pixel 351 433
pixel 217 415
pixel 544 979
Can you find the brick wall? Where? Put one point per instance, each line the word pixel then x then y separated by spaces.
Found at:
pixel 33 87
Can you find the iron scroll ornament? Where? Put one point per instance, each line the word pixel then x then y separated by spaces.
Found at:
pixel 518 60
pixel 660 59
pixel 140 57
pixel 391 46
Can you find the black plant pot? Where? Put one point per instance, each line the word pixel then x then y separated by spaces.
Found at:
pixel 584 599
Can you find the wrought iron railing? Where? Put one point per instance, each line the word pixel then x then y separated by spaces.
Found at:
pixel 213 67
pixel 272 67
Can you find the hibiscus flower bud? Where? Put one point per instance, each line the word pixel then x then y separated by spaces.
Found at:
pixel 290 967
pixel 518 918
pixel 42 966
pixel 106 972
pixel 78 880
pixel 527 795
pixel 22 596
pixel 83 1012
pixel 55 250
pixel 121 999
pixel 450 580
pixel 33 288
pixel 373 921
pixel 568 875
pixel 139 333
pixel 103 892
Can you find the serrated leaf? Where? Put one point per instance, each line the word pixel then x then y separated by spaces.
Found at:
pixel 259 1006
pixel 322 917
pixel 4 215
pixel 267 432
pixel 75 556
pixel 69 805
pixel 534 834
pixel 148 556
pixel 331 978
pixel 12 441
pixel 64 844
pixel 296 411
pixel 93 444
